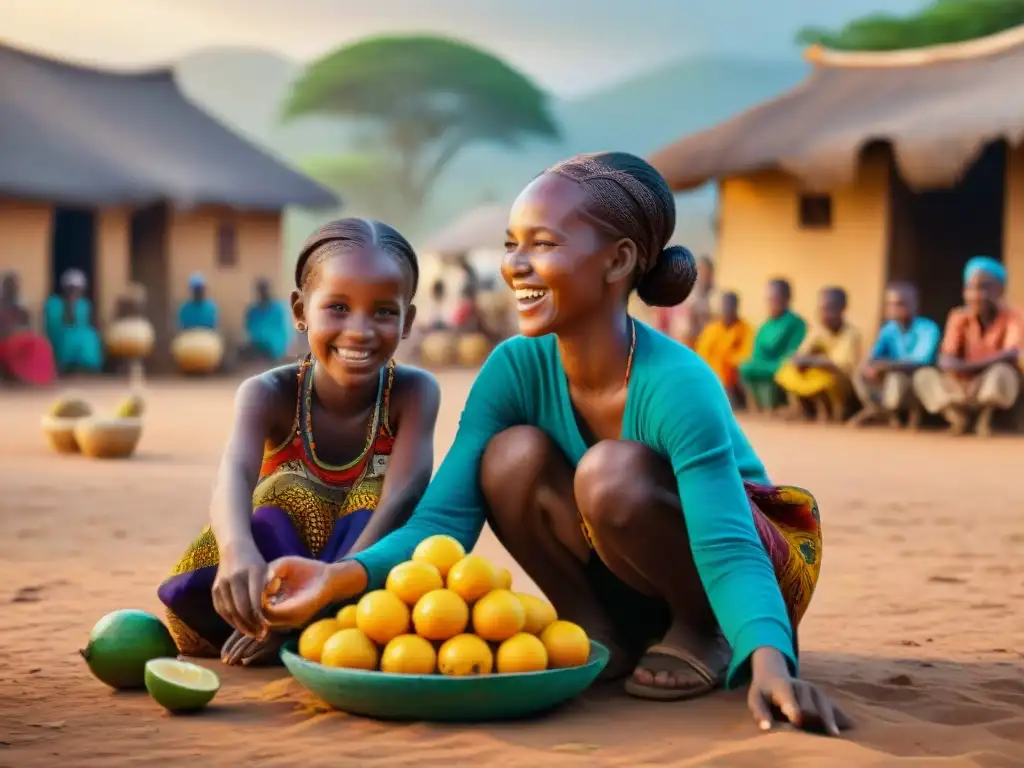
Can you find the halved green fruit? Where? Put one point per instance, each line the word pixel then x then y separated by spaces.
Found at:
pixel 180 686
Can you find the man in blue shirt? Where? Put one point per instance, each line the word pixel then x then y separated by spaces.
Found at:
pixel 905 343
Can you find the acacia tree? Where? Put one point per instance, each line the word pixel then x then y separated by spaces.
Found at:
pixel 426 99
pixel 942 21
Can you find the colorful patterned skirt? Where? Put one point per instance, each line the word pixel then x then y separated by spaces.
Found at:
pixel 788 522
pixel 197 628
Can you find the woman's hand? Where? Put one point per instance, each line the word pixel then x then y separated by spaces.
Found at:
pixel 294 590
pixel 800 702
pixel 238 587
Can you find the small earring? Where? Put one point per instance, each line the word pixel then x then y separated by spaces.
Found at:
pixel 300 327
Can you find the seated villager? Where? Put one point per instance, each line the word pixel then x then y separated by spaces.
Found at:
pixel 775 342
pixel 131 336
pixel 199 347
pixel 198 310
pixel 725 343
pixel 267 327
pixel 69 326
pixel 25 356
pixel 465 317
pixel 132 303
pixel 820 372
pixel 906 343
pixel 978 370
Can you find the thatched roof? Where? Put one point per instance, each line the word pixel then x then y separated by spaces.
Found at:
pixel 936 107
pixel 482 227
pixel 78 135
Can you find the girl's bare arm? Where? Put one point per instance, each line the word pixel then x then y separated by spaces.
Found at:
pixel 415 401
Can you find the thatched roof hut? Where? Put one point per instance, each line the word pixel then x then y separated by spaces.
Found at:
pixel 119 175
pixel 878 166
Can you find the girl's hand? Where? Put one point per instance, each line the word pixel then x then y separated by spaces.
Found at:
pixel 237 588
pixel 800 702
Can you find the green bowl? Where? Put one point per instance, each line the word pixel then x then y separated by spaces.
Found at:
pixel 439 698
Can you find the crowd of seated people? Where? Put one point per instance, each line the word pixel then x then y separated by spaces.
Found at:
pixel 966 374
pixel 67 339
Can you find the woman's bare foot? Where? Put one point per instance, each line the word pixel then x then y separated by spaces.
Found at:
pixel 682 666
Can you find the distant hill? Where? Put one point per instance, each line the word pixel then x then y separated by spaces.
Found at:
pixel 246 88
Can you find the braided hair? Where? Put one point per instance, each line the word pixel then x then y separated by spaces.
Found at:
pixel 628 198
pixel 342 235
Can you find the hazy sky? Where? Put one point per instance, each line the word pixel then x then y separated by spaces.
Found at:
pixel 568 45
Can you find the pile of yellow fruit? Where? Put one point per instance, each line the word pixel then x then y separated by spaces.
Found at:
pixel 449 612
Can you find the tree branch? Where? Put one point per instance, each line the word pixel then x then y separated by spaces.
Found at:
pixel 441 161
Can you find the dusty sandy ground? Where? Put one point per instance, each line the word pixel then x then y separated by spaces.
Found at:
pixel 916 628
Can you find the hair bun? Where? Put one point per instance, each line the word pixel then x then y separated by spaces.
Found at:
pixel 671 279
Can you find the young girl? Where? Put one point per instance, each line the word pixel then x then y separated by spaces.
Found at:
pixel 607 459
pixel 324 457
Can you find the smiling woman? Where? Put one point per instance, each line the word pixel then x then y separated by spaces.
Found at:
pixel 606 458
pixel 282 491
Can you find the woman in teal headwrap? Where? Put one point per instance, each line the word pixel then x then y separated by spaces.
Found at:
pixel 978 370
pixel 68 319
pixel 198 311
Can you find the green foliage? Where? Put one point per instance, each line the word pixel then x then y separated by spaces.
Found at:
pixel 943 21
pixel 426 98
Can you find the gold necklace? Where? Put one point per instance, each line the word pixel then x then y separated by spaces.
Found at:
pixel 632 349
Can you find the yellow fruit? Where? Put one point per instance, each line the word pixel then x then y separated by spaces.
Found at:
pixel 381 616
pixel 349 648
pixel 346 617
pixel 567 645
pixel 539 613
pixel 472 577
pixel 498 615
pixel 131 407
pixel 70 408
pixel 313 637
pixel 521 653
pixel 442 552
pixel 409 655
pixel 504 579
pixel 412 580
pixel 440 614
pixel 465 655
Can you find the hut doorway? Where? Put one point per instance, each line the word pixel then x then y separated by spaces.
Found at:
pixel 73 246
pixel 149 268
pixel 933 233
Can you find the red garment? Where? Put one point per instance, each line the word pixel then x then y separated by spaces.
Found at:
pixel 28 357
pixel 463 313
